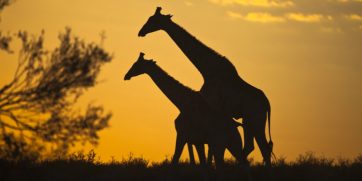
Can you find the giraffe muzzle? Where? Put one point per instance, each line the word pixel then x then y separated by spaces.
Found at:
pixel 140 34
pixel 127 77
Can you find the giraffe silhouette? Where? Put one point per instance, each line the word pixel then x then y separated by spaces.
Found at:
pixel 179 122
pixel 222 87
pixel 200 123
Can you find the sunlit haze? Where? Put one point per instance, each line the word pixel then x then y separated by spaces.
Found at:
pixel 305 55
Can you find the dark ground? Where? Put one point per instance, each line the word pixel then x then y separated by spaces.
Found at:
pixel 306 168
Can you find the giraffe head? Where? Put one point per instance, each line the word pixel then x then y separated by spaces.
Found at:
pixel 139 67
pixel 154 23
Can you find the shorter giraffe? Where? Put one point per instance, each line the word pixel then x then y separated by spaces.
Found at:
pixel 200 123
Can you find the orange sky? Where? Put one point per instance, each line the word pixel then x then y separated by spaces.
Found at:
pixel 305 55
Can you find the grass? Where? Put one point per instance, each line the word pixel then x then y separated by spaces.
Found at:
pixel 79 166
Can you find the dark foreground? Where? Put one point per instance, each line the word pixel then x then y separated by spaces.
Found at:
pixel 305 168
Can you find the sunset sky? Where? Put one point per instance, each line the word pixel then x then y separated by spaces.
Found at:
pixel 306 55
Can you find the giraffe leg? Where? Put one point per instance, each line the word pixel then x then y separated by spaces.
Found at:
pixel 200 148
pixel 209 157
pixel 261 140
pixel 191 154
pixel 180 143
pixel 249 138
pixel 236 149
pixel 219 157
pixel 235 146
pixel 263 146
pixel 218 152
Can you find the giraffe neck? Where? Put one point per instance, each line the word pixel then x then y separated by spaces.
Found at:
pixel 207 61
pixel 177 93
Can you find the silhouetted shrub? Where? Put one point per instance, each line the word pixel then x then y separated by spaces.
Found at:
pixel 134 162
pixel 310 159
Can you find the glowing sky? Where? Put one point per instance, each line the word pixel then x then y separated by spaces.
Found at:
pixel 305 55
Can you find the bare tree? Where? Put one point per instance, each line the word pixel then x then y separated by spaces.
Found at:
pixel 4 40
pixel 36 106
pixel 4 3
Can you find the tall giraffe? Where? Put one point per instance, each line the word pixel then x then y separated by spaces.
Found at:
pixel 222 87
pixel 200 123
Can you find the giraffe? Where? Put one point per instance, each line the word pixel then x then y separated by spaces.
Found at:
pixel 200 122
pixel 222 87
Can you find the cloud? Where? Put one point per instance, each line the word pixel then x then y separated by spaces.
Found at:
pixel 353 17
pixel 307 18
pixel 330 30
pixel 258 3
pixel 257 17
pixel 347 1
pixel 188 3
pixel 262 17
pixel 330 16
pixel 234 15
